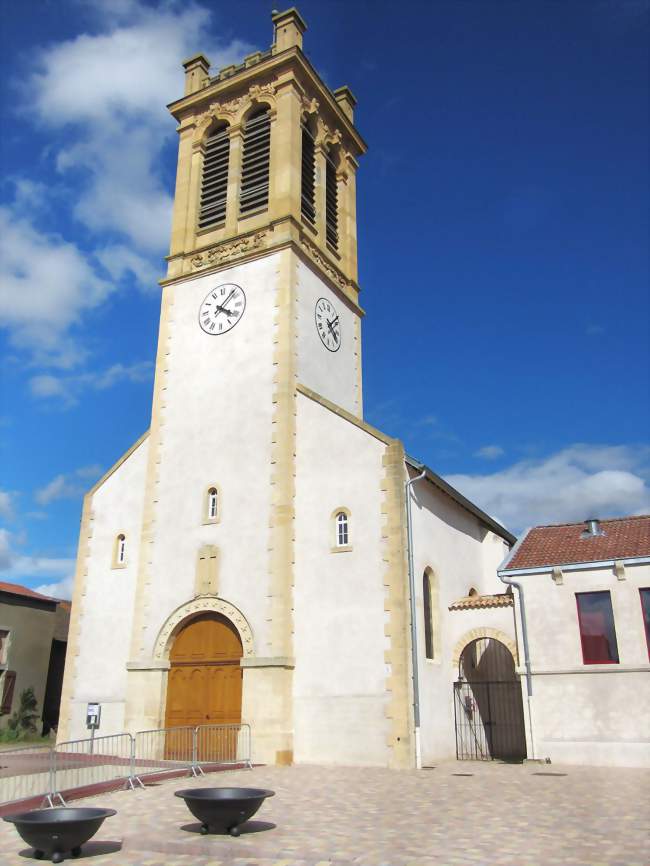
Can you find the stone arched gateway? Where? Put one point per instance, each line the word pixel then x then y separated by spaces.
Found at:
pixel 488 704
pixel 186 612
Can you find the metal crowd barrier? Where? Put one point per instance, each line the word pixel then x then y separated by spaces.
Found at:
pixel 90 762
pixel 27 772
pixel 162 750
pixel 49 772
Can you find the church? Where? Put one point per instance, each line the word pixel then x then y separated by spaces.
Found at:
pixel 262 554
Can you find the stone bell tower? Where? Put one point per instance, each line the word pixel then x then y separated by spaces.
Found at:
pixel 261 295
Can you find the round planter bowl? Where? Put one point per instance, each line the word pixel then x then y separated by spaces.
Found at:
pixel 223 809
pixel 51 832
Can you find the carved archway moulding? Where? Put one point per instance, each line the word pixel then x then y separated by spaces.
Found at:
pixel 202 604
pixel 477 634
pixel 233 111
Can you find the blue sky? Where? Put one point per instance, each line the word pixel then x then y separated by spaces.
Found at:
pixel 503 201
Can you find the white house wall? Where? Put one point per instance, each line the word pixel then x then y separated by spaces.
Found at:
pixel 107 604
pixel 588 714
pixel 462 554
pixel 339 680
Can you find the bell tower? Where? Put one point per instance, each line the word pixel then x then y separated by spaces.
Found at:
pixel 260 299
pixel 267 160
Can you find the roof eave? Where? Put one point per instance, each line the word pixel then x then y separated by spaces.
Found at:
pixel 485 519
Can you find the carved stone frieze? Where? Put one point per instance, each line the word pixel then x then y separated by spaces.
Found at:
pixel 203 604
pixel 324 264
pixel 228 251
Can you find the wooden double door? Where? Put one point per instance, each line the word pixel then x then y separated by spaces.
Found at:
pixel 204 685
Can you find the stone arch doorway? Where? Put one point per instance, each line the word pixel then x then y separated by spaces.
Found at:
pixel 488 705
pixel 204 684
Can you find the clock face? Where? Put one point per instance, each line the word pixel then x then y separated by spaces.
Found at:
pixel 222 309
pixel 328 325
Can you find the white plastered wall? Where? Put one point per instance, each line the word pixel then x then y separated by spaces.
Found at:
pixel 339 680
pixel 107 603
pixel 461 554
pixel 216 430
pixel 333 375
pixel 588 714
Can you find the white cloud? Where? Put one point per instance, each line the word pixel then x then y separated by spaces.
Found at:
pixel 59 589
pixel 489 452
pixel 15 567
pixel 67 486
pixel 121 261
pixel 46 285
pixel 6 505
pixel 118 122
pixel 575 483
pixel 67 389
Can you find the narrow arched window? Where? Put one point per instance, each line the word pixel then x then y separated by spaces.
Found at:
pixel 214 180
pixel 331 202
pixel 428 623
pixel 342 529
pixel 307 200
pixel 254 190
pixel 212 503
pixel 120 550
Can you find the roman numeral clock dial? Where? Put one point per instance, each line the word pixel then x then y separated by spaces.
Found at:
pixel 328 325
pixel 222 308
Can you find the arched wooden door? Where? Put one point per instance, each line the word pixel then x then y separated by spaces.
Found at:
pixel 204 685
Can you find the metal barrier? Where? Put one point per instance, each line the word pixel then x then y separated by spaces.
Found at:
pixel 49 772
pixel 91 762
pixel 221 744
pixel 27 772
pixel 163 750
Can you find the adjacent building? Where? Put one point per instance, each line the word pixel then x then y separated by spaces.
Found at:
pixel 585 597
pixel 33 641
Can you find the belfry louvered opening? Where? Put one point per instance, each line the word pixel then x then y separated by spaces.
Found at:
pixel 254 191
pixel 307 201
pixel 331 203
pixel 214 182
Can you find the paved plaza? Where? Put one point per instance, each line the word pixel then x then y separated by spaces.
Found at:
pixel 450 815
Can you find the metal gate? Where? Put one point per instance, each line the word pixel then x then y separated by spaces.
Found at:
pixel 489 721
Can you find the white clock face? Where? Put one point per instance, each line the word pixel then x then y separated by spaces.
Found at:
pixel 328 325
pixel 222 309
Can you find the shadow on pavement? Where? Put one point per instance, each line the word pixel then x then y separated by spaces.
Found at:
pixel 89 849
pixel 248 827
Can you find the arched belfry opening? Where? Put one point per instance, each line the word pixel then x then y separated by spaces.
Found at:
pixel 204 685
pixel 488 704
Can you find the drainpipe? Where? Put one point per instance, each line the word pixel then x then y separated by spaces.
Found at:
pixel 524 633
pixel 414 632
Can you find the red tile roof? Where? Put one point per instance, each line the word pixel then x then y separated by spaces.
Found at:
pixel 622 538
pixel 16 589
pixel 479 602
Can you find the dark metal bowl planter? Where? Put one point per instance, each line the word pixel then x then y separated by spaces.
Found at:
pixel 54 831
pixel 223 809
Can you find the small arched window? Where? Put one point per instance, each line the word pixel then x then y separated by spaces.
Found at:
pixel 307 193
pixel 331 201
pixel 119 551
pixel 212 503
pixel 214 180
pixel 342 529
pixel 254 189
pixel 428 624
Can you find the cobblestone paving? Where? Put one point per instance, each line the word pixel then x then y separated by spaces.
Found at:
pixel 456 814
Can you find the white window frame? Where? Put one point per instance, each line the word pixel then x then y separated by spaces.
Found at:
pixel 341 533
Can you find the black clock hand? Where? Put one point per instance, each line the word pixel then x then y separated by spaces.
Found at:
pixel 222 307
pixel 331 324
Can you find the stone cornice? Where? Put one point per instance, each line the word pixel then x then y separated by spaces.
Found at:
pixel 295 60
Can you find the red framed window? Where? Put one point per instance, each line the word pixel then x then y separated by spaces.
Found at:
pixel 645 607
pixel 597 632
